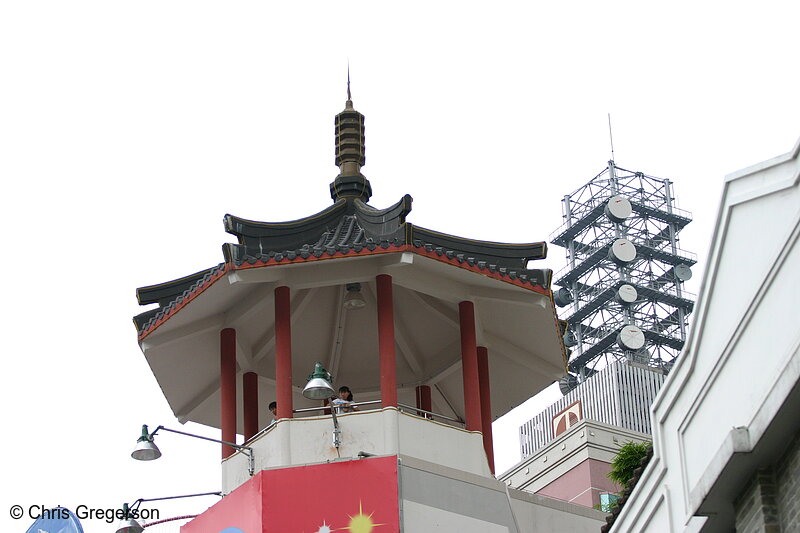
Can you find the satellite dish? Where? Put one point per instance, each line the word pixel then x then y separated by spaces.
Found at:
pixel 569 339
pixel 683 272
pixel 567 383
pixel 622 251
pixel 618 208
pixel 626 294
pixel 630 338
pixel 562 297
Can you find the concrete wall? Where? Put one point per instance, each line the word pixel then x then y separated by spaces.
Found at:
pixel 309 440
pixel 539 514
pixel 436 499
pixel 583 484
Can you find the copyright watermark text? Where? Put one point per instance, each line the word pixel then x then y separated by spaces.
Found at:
pixel 83 512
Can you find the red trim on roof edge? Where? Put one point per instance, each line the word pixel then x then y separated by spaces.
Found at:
pixel 352 253
pixel 199 290
pixel 486 272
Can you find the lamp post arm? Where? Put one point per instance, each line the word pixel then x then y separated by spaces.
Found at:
pixel 231 444
pixel 247 450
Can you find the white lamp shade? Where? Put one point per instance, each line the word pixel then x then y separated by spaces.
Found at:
pixel 354 300
pixel 129 526
pixel 318 389
pixel 146 450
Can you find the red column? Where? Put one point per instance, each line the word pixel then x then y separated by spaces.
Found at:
pixel 227 387
pixel 424 399
pixel 250 401
pixel 386 341
pixel 283 353
pixel 469 366
pixel 486 404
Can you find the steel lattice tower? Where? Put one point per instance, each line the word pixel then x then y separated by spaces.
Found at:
pixel 622 289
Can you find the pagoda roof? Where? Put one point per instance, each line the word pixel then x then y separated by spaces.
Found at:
pixel 318 257
pixel 348 228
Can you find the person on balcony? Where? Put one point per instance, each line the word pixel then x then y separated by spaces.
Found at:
pixel 344 403
pixel 273 408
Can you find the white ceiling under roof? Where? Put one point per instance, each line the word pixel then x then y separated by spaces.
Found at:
pixel 517 325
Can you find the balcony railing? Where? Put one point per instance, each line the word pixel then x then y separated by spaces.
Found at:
pixel 371 405
pixel 374 431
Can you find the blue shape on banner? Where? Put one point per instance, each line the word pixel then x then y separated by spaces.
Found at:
pixel 58 520
pixel 231 530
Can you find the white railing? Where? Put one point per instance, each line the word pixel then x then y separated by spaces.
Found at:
pixel 386 431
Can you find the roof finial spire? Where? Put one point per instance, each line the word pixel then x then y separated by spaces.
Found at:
pixel 349 98
pixel 349 127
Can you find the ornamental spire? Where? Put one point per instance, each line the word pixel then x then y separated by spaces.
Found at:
pixel 349 98
pixel 350 153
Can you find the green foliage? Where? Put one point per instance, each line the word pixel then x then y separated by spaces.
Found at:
pixel 627 460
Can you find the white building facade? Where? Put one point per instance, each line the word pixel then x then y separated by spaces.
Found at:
pixel 726 425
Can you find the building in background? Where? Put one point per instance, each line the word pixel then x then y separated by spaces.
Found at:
pixel 726 429
pixel 619 395
pixel 567 449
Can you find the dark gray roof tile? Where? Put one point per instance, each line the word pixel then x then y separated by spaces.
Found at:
pixel 348 226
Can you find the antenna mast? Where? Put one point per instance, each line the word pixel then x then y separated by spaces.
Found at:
pixel 611 137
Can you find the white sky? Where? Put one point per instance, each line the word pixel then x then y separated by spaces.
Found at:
pixel 128 129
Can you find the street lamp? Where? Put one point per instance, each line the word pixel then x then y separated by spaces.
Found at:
pixel 319 388
pixel 146 449
pixel 128 524
pixel 319 384
pixel 354 299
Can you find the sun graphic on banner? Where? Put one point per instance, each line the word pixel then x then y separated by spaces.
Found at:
pixel 324 528
pixel 361 523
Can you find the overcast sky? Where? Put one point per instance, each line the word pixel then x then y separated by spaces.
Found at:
pixel 128 129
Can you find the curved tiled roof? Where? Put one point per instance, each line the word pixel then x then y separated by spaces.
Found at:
pixel 348 228
pixel 172 295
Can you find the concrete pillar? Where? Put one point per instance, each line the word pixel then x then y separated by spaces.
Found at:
pixel 227 388
pixel 250 404
pixel 388 361
pixel 486 404
pixel 469 366
pixel 283 353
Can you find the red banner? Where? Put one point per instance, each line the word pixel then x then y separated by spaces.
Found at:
pixel 352 496
pixel 358 496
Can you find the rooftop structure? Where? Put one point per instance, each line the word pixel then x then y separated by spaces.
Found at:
pixel 436 335
pixel 622 289
pixel 567 449
pixel 574 466
pixel 619 395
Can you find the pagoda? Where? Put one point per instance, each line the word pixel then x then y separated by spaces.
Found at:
pixel 436 336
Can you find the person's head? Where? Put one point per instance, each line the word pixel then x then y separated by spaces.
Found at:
pixel 273 407
pixel 345 394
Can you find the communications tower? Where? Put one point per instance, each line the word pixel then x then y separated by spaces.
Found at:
pixel 622 290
